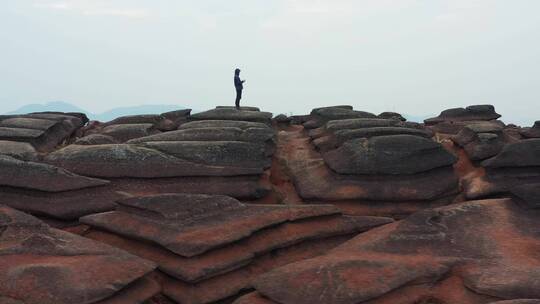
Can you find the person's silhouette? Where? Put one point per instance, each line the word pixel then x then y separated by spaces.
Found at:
pixel 239 85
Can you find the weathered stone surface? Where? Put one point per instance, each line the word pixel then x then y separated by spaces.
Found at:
pixel 470 113
pixel 222 124
pixel 470 132
pixel 41 265
pixel 484 146
pixel 282 118
pixel 525 153
pixel 320 116
pixel 533 132
pixel 190 225
pixel 242 108
pixel 231 283
pixel 125 132
pixel 428 247
pixel 136 119
pixel 18 150
pixel 123 160
pixel 212 134
pixel 529 193
pixel 244 252
pixel 38 176
pixel 66 205
pixel 96 139
pixel 216 153
pixel 137 292
pixel 315 181
pixel 395 154
pixel 233 114
pixel 43 130
pixel 391 115
pixel 338 138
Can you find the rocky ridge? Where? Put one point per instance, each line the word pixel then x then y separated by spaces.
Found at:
pixel 338 206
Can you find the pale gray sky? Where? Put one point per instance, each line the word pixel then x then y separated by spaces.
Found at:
pixel 410 56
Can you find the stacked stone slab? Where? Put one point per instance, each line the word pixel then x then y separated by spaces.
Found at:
pixel 451 121
pixel 482 140
pixel 43 265
pixel 378 161
pixel 475 252
pixel 209 248
pixel 517 164
pixel 44 131
pixel 319 116
pixel 532 132
pixel 124 128
pixel 135 155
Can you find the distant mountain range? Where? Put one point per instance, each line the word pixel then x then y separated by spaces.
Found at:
pixel 61 106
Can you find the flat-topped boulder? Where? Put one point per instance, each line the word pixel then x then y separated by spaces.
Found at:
pixel 533 132
pixel 433 254
pixel 212 134
pixel 41 265
pixel 481 140
pixel 124 132
pixel 320 116
pixel 190 225
pixel 18 150
pixel 470 113
pixel 222 124
pixel 242 108
pixel 525 153
pixel 395 154
pixel 44 177
pixel 136 119
pixel 392 115
pixel 233 114
pixel 44 131
pixel 124 160
pixel 340 137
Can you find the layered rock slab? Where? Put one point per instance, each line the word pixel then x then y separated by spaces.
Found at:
pixel 44 131
pixel 518 163
pixel 123 160
pixel 429 247
pixel 234 114
pixel 43 265
pixel 212 246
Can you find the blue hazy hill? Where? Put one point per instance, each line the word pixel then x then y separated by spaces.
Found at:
pixel 61 106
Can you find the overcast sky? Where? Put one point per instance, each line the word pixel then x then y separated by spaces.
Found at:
pixel 410 56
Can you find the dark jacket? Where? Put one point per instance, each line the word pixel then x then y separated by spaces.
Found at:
pixel 238 83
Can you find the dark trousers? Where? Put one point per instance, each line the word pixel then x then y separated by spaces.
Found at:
pixel 238 97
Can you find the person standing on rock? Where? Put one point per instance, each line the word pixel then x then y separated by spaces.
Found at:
pixel 239 85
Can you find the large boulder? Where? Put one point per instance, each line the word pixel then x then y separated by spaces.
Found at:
pixel 43 130
pixel 44 177
pixel 212 134
pixel 433 254
pixel 525 153
pixel 191 224
pixel 338 138
pixel 19 150
pixel 41 265
pixel 123 160
pixel 222 124
pixel 533 132
pixel 470 113
pixel 233 114
pixel 395 154
pixel 124 132
pixel 320 116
